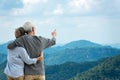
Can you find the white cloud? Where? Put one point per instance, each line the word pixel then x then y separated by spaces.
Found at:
pixel 83 5
pixel 21 11
pixel 42 13
pixel 80 4
pixel 32 3
pixel 28 7
pixel 58 10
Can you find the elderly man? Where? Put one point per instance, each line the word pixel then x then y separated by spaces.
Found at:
pixel 34 45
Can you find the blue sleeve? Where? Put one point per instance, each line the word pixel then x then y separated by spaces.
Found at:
pixel 25 57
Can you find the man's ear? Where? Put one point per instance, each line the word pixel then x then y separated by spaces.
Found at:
pixel 33 30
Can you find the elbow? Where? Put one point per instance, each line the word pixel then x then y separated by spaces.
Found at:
pixel 9 47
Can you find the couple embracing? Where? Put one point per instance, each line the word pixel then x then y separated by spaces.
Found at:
pixel 25 54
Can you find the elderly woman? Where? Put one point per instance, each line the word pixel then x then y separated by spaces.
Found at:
pixel 16 58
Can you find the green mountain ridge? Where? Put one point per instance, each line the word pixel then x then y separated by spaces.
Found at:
pixel 66 62
pixel 72 45
pixel 68 70
pixel 107 70
pixel 80 54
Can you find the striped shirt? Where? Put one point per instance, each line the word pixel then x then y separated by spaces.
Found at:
pixel 33 45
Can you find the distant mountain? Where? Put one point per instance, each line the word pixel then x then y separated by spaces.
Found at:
pixel 68 70
pixel 3 52
pixel 116 45
pixel 81 50
pixel 3 48
pixel 58 55
pixel 72 45
pixel 76 51
pixel 107 70
pixel 81 44
pixel 2 67
pixel 70 54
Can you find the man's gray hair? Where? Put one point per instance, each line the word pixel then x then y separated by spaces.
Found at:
pixel 28 26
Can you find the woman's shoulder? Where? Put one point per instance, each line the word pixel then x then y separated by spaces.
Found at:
pixel 20 48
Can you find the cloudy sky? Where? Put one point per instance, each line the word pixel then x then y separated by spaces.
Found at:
pixel 94 20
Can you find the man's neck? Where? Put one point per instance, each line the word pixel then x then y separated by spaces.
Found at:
pixel 31 33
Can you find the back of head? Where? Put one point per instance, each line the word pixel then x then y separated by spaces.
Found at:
pixel 28 26
pixel 19 32
pixel 22 31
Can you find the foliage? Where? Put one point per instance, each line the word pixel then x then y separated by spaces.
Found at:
pixel 68 70
pixel 107 70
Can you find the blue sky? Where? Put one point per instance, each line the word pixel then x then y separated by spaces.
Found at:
pixel 94 20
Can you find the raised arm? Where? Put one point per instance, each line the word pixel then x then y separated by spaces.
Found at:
pixel 48 42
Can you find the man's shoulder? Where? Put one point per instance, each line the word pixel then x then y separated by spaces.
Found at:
pixel 39 37
pixel 24 36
